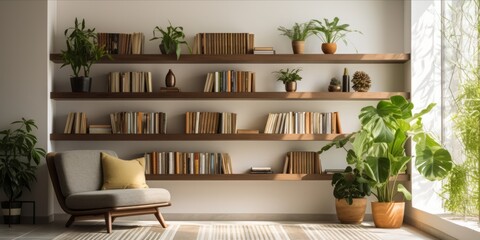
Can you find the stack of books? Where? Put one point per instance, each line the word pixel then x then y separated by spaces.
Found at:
pixel 303 123
pixel 122 43
pixel 223 43
pixel 230 81
pixel 210 122
pixel 139 122
pixel 263 50
pixel 99 129
pixel 130 82
pixel 187 163
pixel 302 163
pixel 261 170
pixel 76 123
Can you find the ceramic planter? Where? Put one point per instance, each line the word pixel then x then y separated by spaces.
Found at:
pixel 329 48
pixel 351 214
pixel 11 212
pixel 81 84
pixel 388 214
pixel 291 86
pixel 298 47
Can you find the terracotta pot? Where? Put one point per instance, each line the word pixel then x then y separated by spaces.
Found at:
pixel 351 214
pixel 298 47
pixel 329 48
pixel 81 84
pixel 388 214
pixel 291 86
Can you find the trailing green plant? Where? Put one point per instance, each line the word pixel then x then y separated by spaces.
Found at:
pixel 171 38
pixel 288 75
pixel 82 49
pixel 349 185
pixel 331 31
pixel 461 190
pixel 299 31
pixel 378 148
pixel 19 158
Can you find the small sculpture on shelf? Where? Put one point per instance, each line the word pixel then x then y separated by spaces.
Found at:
pixel 335 85
pixel 361 81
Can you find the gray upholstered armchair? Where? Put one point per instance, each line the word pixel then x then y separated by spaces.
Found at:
pixel 77 179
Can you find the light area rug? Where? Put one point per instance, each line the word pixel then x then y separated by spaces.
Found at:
pixel 222 232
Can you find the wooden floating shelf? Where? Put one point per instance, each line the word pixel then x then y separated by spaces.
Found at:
pixel 193 137
pixel 254 177
pixel 252 58
pixel 342 96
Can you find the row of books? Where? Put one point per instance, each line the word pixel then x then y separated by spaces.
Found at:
pixel 303 123
pixel 187 163
pixel 130 82
pixel 223 43
pixel 122 43
pixel 302 163
pixel 210 122
pixel 76 123
pixel 139 122
pixel 230 81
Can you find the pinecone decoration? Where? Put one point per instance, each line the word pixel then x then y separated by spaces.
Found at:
pixel 361 81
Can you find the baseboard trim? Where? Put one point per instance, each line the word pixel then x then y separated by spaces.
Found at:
pixel 29 220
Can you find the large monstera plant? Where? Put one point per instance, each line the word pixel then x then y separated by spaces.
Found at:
pixel 378 149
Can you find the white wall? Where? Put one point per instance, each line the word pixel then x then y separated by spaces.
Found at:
pixel 380 21
pixel 23 85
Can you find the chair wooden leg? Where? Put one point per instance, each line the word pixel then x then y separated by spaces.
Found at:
pixel 108 221
pixel 160 219
pixel 70 221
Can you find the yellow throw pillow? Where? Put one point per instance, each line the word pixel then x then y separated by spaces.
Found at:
pixel 121 174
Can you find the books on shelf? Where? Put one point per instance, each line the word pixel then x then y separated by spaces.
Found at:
pixel 303 123
pixel 122 43
pixel 130 82
pixel 76 123
pixel 263 50
pixel 210 122
pixel 302 163
pixel 230 81
pixel 261 170
pixel 99 129
pixel 169 89
pixel 139 122
pixel 223 43
pixel 248 131
pixel 187 163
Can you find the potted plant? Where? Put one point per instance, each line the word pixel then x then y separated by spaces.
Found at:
pixel 82 51
pixel 172 37
pixel 378 151
pixel 330 33
pixel 350 189
pixel 289 77
pixel 19 159
pixel 298 34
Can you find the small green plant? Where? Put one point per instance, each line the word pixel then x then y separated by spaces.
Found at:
pixel 299 31
pixel 19 158
pixel 172 37
pixel 288 75
pixel 82 49
pixel 331 32
pixel 349 185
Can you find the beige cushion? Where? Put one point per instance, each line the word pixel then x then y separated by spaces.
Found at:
pixel 122 174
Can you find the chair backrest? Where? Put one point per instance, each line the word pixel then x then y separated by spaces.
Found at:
pixel 77 171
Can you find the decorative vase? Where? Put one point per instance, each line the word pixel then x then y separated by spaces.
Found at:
pixel 351 214
pixel 298 47
pixel 11 212
pixel 170 79
pixel 81 84
pixel 291 86
pixel 329 48
pixel 334 88
pixel 388 214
